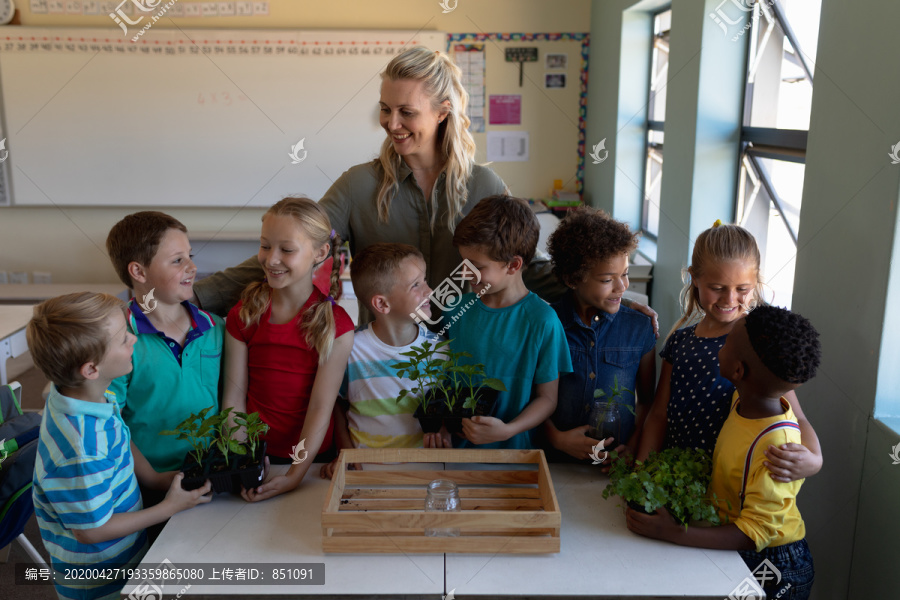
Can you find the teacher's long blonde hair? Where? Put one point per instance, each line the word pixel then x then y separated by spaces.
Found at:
pixel 443 82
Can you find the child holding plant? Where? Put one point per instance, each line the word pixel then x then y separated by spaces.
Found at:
pixel 288 343
pixel 86 497
pixel 612 346
pixel 768 353
pixel 505 327
pixel 178 353
pixel 389 280
pixel 692 398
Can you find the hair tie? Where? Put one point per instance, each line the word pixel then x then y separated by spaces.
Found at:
pixel 333 234
pixel 330 299
pixel 717 223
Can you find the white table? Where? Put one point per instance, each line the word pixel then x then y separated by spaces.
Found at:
pixel 13 320
pixel 285 529
pixel 600 558
pixel 35 293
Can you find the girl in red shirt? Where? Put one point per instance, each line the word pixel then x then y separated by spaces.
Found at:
pixel 288 345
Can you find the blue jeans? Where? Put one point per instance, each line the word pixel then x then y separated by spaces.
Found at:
pixel 795 564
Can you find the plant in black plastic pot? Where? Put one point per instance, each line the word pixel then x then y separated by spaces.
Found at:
pixel 197 429
pixel 426 369
pixel 675 478
pixel 447 390
pixel 216 454
pixel 472 393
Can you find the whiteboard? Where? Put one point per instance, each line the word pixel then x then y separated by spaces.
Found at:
pixel 189 118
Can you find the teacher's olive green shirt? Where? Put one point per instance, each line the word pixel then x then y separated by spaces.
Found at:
pixel 351 206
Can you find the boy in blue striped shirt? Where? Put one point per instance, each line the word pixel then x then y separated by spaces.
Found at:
pixel 86 495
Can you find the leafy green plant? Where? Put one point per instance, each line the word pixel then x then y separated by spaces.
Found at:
pixel 615 393
pixel 224 439
pixel 254 427
pixel 475 382
pixel 675 478
pixel 425 368
pixel 198 430
pixel 439 368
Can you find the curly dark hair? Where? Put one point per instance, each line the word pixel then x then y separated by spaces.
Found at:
pixel 786 343
pixel 584 238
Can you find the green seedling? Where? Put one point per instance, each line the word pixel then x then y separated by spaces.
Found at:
pixel 224 439
pixel 198 430
pixel 253 426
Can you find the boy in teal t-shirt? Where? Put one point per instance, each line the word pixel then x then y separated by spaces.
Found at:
pixel 515 334
pixel 178 354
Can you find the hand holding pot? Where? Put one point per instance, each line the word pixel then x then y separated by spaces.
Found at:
pixel 178 499
pixel 484 430
pixel 659 526
pixel 440 439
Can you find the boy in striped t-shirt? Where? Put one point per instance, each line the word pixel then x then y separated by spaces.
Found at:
pixel 86 495
pixel 389 279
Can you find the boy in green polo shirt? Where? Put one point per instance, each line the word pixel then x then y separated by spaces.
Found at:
pixel 178 354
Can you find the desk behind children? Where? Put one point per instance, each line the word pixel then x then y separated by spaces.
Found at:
pixel 13 320
pixel 35 293
pixel 599 557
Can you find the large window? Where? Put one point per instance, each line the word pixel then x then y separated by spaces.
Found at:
pixel 782 40
pixel 656 116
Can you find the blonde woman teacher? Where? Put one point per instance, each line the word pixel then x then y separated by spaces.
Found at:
pixel 422 184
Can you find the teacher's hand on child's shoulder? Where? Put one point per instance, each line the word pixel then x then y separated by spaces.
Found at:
pixel 645 309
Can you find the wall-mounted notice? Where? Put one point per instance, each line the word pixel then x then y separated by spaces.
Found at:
pixel 506 109
pixel 507 146
pixel 470 59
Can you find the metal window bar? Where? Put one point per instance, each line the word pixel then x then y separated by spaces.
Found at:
pixel 659 44
pixel 792 38
pixel 766 182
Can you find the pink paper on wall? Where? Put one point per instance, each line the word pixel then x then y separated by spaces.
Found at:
pixel 505 109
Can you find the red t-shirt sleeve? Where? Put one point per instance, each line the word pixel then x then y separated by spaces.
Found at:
pixel 342 321
pixel 235 326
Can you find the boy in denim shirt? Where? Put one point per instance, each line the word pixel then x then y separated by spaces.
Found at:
pixel 505 327
pixel 610 343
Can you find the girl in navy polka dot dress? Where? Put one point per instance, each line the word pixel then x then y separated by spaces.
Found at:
pixel 692 399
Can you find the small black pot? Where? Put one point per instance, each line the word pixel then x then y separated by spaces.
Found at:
pixel 430 421
pixel 194 475
pixel 484 407
pixel 243 470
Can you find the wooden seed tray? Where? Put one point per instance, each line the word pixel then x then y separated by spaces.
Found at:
pixel 509 511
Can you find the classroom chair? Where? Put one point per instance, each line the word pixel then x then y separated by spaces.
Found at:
pixel 18 448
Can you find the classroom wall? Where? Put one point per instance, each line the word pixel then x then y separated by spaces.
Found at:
pixel 847 229
pixel 69 242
